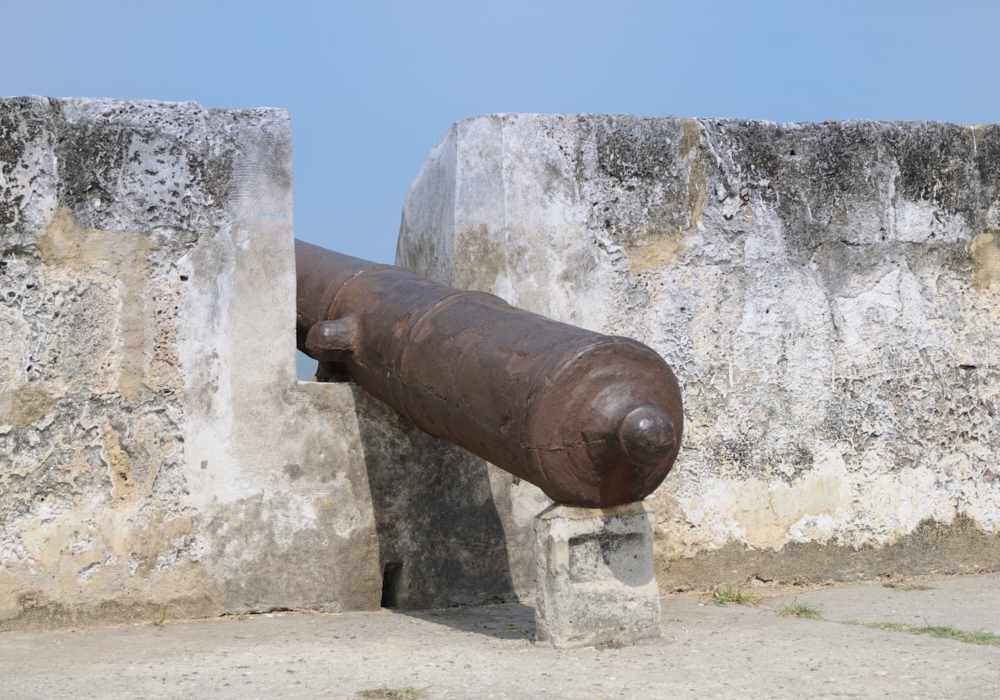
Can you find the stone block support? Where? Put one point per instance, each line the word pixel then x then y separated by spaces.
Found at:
pixel 595 576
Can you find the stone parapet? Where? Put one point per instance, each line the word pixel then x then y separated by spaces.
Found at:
pixel 826 293
pixel 157 455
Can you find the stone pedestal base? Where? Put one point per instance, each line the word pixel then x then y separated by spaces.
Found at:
pixel 595 576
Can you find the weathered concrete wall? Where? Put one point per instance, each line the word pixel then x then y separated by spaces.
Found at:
pixel 157 455
pixel 826 293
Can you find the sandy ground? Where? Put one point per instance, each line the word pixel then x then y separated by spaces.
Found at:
pixel 707 651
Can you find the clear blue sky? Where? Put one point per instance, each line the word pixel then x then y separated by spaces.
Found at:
pixel 373 85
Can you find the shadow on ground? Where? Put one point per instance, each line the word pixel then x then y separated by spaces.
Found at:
pixel 511 622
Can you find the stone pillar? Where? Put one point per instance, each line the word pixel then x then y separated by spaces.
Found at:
pixel 595 576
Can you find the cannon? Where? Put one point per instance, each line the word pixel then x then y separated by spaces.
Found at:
pixel 593 420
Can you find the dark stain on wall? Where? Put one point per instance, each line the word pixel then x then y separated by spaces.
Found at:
pixel 935 548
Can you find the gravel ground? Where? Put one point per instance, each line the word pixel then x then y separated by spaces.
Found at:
pixel 707 651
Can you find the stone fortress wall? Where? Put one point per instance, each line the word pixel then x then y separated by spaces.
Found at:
pixel 157 454
pixel 825 294
pixel 828 295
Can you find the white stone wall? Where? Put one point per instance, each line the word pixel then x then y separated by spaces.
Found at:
pixel 157 455
pixel 826 293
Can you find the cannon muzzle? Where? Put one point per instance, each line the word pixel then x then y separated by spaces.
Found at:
pixel 591 419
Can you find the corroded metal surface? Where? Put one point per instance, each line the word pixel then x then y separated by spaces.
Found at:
pixel 591 419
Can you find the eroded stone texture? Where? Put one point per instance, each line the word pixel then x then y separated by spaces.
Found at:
pixel 826 293
pixel 157 455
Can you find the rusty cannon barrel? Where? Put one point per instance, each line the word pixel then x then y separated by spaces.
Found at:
pixel 592 420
